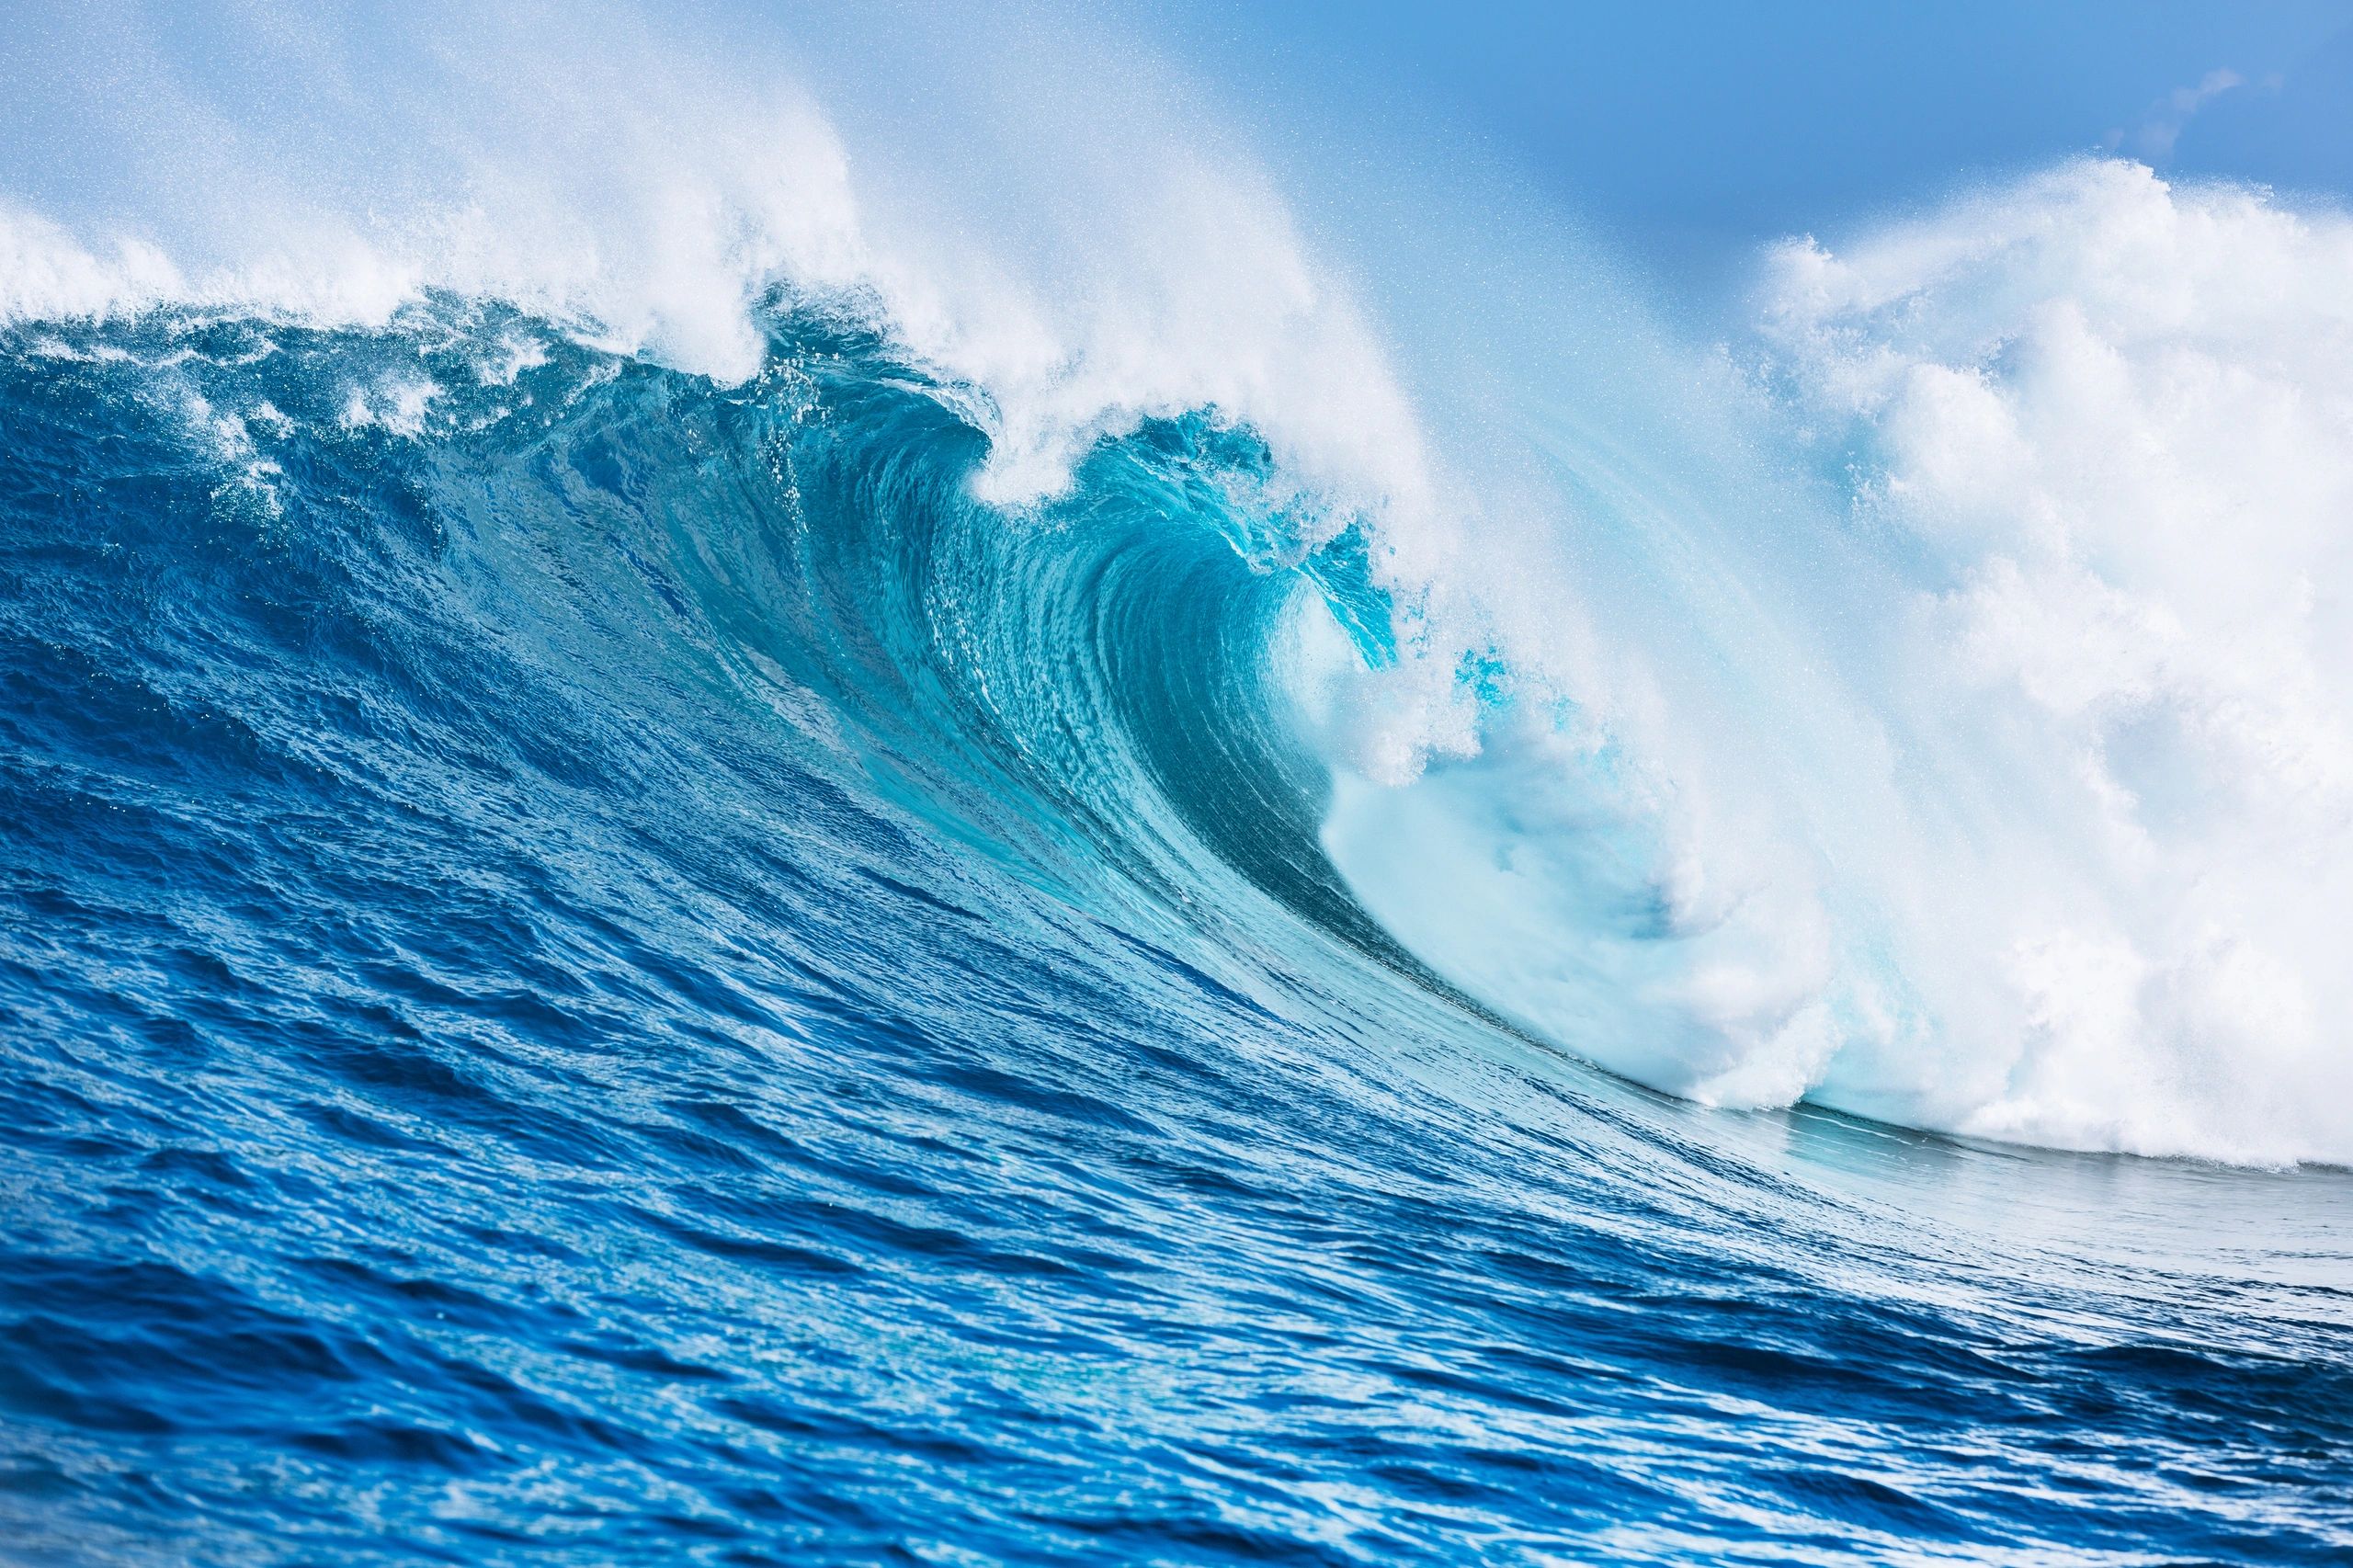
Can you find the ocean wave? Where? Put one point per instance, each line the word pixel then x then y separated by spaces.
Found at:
pixel 683 945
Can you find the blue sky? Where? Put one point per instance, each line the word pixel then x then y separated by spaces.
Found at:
pixel 1705 125
pixel 1687 131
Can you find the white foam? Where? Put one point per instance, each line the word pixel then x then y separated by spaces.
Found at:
pixel 2016 798
pixel 395 403
pixel 47 275
pixel 2116 415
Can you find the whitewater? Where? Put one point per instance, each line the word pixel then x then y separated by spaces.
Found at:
pixel 843 790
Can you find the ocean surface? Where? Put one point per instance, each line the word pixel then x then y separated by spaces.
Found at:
pixel 634 932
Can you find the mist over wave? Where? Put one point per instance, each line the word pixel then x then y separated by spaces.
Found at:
pixel 1995 782
pixel 2107 419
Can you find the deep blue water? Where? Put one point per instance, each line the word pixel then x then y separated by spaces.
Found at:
pixel 599 969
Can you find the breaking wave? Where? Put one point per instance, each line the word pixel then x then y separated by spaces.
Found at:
pixel 618 621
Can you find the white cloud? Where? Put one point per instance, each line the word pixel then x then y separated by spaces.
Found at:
pixel 2157 134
